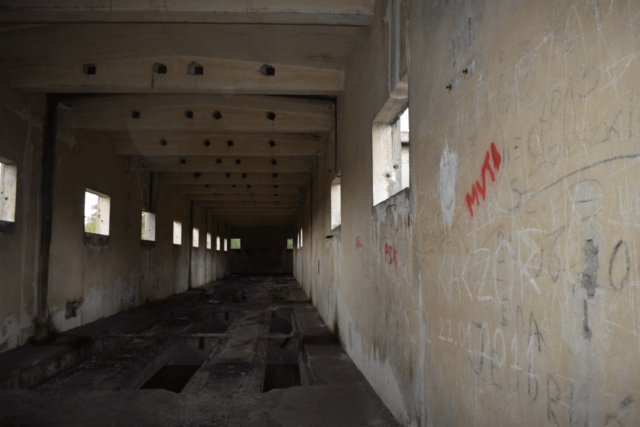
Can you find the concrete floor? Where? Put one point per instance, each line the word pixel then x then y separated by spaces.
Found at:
pixel 234 330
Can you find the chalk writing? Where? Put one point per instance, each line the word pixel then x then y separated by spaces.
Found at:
pixel 486 167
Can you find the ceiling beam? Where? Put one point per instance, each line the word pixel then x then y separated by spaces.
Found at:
pixel 231 165
pixel 307 12
pixel 257 205
pixel 220 76
pixel 194 178
pixel 207 113
pixel 209 199
pixel 215 144
pixel 237 189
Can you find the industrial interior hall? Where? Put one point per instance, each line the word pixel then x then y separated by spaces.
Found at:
pixel 290 213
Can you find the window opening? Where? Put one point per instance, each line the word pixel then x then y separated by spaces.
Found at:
pixel 336 218
pixel 96 212
pixel 301 238
pixel 390 150
pixel 148 226
pixel 8 186
pixel 404 141
pixel 217 243
pixel 196 237
pixel 208 240
pixel 225 245
pixel 177 233
pixel 235 243
pixel 298 241
pixel 289 243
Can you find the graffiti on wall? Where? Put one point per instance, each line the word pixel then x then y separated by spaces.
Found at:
pixel 390 254
pixel 486 167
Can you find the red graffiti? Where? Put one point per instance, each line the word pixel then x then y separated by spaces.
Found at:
pixel 358 244
pixel 486 167
pixel 390 255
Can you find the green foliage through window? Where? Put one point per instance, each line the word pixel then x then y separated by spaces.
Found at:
pixel 235 243
pixel 289 243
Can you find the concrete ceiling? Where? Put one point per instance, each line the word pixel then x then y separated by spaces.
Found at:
pixel 195 89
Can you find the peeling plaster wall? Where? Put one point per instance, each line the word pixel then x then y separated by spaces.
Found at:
pixel 22 118
pixel 514 299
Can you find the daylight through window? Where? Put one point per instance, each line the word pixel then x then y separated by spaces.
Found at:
pixel 208 240
pixel 289 243
pixel 8 185
pixel 148 226
pixel 96 212
pixel 195 238
pixel 177 233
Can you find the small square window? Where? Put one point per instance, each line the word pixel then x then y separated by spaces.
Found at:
pixel 148 226
pixel 289 243
pixel 235 243
pixel 335 203
pixel 225 245
pixel 298 241
pixel 217 243
pixel 177 233
pixel 96 212
pixel 8 185
pixel 208 240
pixel 196 238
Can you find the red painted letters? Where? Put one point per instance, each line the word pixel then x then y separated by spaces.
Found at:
pixel 486 167
pixel 358 244
pixel 390 255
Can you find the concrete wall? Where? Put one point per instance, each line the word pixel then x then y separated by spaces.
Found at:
pixel 22 118
pixel 103 275
pixel 90 276
pixel 519 307
pixel 263 250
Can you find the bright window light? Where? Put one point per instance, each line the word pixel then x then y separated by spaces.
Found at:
pixel 235 243
pixel 8 185
pixel 225 245
pixel 177 233
pixel 196 237
pixel 217 243
pixel 96 212
pixel 289 243
pixel 148 226
pixel 208 240
pixel 301 238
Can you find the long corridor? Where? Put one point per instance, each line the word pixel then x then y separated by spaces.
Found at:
pixel 245 351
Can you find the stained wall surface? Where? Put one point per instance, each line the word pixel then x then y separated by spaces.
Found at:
pixel 500 288
pixel 22 119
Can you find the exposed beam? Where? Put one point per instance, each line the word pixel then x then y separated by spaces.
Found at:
pixel 257 214
pixel 215 144
pixel 184 113
pixel 235 178
pixel 209 164
pixel 307 12
pixel 236 189
pixel 246 197
pixel 250 205
pixel 222 76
